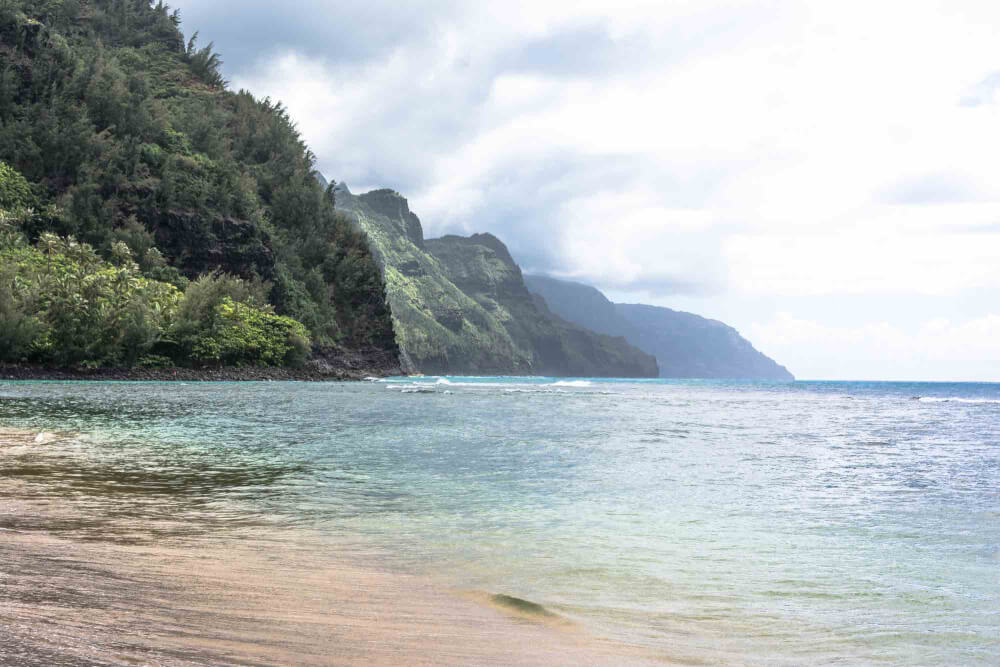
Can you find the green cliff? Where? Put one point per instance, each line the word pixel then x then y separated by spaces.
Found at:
pixel 685 345
pixel 461 307
pixel 127 142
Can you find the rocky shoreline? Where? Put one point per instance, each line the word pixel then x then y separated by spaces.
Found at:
pixel 327 365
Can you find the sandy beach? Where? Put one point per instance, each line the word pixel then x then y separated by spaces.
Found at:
pixel 266 598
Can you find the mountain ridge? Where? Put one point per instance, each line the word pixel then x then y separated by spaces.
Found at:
pixel 685 345
pixel 460 305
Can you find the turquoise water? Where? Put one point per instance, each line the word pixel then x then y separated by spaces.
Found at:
pixel 810 522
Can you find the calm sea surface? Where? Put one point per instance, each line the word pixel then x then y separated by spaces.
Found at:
pixel 810 522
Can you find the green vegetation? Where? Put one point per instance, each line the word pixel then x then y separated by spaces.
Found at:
pixel 440 329
pixel 120 138
pixel 460 304
pixel 62 305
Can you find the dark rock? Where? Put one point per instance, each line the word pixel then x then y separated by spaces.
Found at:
pixel 328 363
pixel 393 206
pixel 229 245
pixel 412 269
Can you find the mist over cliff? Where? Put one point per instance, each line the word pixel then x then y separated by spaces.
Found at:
pixel 685 345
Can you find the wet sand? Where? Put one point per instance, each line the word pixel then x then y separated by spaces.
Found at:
pixel 262 597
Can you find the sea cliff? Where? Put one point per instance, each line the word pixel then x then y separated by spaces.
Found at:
pixel 460 305
pixel 685 345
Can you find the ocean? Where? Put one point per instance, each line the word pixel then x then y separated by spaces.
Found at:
pixel 715 522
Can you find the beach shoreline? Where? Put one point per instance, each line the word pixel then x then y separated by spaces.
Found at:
pixel 257 602
pixel 342 366
pixel 139 590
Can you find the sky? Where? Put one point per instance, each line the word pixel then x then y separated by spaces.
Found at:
pixel 823 176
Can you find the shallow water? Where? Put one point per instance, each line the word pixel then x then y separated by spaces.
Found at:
pixel 732 522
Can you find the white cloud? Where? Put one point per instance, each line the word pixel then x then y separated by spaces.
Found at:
pixel 867 257
pixel 764 148
pixel 936 349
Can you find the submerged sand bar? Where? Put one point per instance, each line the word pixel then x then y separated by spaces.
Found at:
pixel 269 598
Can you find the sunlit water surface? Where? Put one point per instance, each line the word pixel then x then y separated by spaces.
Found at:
pixel 752 522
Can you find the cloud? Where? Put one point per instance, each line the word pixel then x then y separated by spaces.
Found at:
pixel 579 50
pixel 934 188
pixel 738 148
pixel 252 31
pixel 984 92
pixel 888 251
pixel 968 349
pixel 501 124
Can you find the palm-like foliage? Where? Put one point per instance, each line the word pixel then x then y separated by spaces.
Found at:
pixel 205 62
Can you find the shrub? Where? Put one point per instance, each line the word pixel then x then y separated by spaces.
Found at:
pixel 61 304
pixel 245 335
pixel 18 329
pixel 15 192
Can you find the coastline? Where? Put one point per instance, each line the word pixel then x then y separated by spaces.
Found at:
pixel 266 601
pixel 330 366
pixel 735 548
pixel 146 589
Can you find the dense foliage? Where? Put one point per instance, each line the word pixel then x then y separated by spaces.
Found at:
pixel 126 134
pixel 221 321
pixel 61 304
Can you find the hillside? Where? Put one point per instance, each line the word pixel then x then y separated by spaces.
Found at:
pixel 482 268
pixel 461 307
pixel 119 136
pixel 685 345
pixel 581 304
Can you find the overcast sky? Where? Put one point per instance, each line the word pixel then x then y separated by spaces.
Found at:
pixel 824 176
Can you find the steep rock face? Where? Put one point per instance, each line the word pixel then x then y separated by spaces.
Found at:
pixel 575 348
pixel 481 266
pixel 227 244
pixel 391 206
pixel 460 305
pixel 439 329
pixel 696 347
pixel 685 345
pixel 583 305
